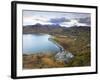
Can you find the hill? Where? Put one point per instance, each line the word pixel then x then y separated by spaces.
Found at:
pixel 55 29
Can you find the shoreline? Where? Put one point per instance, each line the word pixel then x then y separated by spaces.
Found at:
pixel 62 55
pixel 52 40
pixel 61 52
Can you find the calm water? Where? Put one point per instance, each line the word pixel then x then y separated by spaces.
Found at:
pixel 36 43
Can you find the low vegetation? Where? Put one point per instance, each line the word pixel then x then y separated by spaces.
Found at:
pixel 75 40
pixel 79 47
pixel 41 61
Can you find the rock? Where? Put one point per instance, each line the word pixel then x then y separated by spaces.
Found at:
pixel 64 56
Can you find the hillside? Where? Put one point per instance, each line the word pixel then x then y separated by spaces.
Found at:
pixel 75 39
pixel 55 29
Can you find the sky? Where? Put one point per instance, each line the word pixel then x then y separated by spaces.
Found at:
pixel 66 19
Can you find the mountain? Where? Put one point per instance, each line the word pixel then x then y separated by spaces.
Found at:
pixel 38 28
pixel 54 29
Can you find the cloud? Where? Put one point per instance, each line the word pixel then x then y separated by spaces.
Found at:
pixel 59 20
pixel 63 19
pixel 73 22
pixel 31 20
pixel 86 20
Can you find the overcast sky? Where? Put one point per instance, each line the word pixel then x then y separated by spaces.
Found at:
pixel 60 18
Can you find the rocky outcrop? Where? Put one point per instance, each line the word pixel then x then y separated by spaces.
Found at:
pixel 64 56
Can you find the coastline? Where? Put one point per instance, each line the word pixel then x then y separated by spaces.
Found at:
pixel 62 55
pixel 58 45
pixel 64 43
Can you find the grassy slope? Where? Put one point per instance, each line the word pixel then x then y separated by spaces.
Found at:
pixel 79 46
pixel 76 41
pixel 41 61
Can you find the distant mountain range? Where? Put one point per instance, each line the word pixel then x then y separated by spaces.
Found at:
pixel 50 25
pixel 53 29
